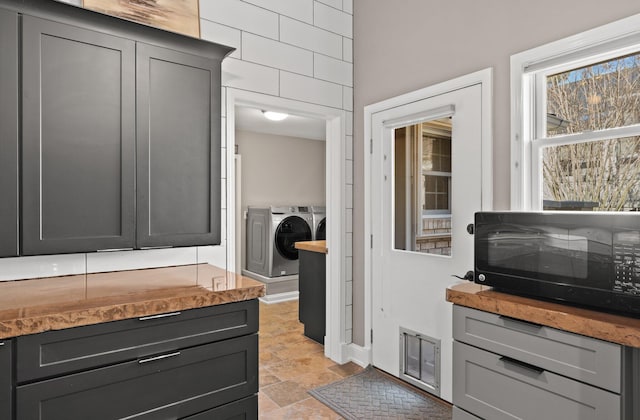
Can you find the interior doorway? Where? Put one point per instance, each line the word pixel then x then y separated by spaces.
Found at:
pixel 334 124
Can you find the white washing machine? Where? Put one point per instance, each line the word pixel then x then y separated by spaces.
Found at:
pixel 319 216
pixel 271 236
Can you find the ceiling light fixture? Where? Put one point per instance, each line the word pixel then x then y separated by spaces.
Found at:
pixel 274 116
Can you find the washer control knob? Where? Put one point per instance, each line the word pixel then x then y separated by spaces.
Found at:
pixel 481 277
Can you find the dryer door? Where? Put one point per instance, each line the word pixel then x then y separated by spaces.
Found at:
pixel 321 230
pixel 291 230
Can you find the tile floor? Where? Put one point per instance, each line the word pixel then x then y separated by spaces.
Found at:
pixel 290 365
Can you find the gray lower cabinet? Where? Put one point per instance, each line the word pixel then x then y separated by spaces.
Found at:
pixel 505 368
pixel 78 138
pixel 178 148
pixel 198 364
pixel 6 380
pixel 312 285
pixel 9 124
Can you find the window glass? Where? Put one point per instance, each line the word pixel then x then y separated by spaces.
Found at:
pixel 597 175
pixel 594 97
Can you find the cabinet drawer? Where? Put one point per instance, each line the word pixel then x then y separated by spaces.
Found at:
pixel 586 359
pixel 6 380
pixel 168 386
pixel 60 352
pixel 493 387
pixel 238 410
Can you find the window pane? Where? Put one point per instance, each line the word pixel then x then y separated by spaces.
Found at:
pixel 422 179
pixel 594 97
pixel 600 175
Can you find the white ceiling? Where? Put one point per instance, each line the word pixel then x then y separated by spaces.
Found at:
pixel 251 119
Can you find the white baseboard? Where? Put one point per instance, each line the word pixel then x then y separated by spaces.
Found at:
pixel 359 355
pixel 279 297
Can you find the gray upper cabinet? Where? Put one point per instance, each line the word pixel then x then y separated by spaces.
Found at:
pixel 78 124
pixel 178 148
pixel 8 133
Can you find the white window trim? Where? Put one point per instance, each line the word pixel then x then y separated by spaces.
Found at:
pixel 614 36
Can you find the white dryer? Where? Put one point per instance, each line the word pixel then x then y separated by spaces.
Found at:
pixel 319 216
pixel 271 236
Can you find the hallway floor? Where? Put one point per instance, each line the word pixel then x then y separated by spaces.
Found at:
pixel 290 365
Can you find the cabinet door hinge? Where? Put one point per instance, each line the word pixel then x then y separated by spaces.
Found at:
pixel 371 146
pixel 371 241
pixel 372 335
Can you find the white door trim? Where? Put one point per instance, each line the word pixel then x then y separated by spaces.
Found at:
pixel 483 78
pixel 335 347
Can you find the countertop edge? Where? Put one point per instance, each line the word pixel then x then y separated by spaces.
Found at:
pixel 604 326
pixel 313 246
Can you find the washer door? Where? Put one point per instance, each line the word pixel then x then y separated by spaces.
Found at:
pixel 321 230
pixel 291 230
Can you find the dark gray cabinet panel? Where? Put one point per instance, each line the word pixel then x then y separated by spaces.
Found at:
pixel 6 380
pixel 60 352
pixel 178 148
pixel 8 134
pixel 312 284
pixel 171 385
pixel 239 410
pixel 78 139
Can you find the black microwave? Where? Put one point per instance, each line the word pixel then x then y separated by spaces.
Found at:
pixel 585 258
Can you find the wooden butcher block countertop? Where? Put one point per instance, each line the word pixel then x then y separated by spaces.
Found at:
pixel 313 246
pixel 605 326
pixel 37 305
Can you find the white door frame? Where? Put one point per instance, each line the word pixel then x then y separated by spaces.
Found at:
pixel 335 347
pixel 482 77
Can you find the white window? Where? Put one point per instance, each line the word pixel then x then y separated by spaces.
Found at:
pixel 576 122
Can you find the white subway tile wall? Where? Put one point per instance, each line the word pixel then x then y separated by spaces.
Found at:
pixel 297 9
pixel 332 70
pixel 347 49
pixel 276 54
pixel 347 98
pixel 332 19
pixel 41 266
pixel 241 15
pixel 101 262
pixel 308 89
pixel 249 76
pixel 310 37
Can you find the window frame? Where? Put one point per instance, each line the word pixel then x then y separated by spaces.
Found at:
pixel 528 100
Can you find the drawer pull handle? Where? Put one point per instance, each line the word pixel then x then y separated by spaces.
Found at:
pixel 156 358
pixel 509 360
pixel 520 321
pixel 148 318
pixel 1 343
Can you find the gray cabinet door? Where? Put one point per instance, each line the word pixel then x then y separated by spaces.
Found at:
pixel 8 133
pixel 6 380
pixel 178 148
pixel 78 125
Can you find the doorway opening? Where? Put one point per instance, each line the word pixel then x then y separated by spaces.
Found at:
pixel 334 127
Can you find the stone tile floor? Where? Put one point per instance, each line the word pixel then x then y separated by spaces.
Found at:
pixel 290 365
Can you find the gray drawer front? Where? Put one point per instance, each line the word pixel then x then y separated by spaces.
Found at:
pixel 460 414
pixel 60 352
pixel 239 410
pixel 6 380
pixel 167 388
pixel 586 359
pixel 493 388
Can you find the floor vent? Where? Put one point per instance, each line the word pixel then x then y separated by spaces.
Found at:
pixel 420 360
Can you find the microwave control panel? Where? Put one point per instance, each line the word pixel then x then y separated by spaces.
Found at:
pixel 626 261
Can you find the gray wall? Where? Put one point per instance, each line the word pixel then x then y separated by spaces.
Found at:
pixel 279 170
pixel 404 45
